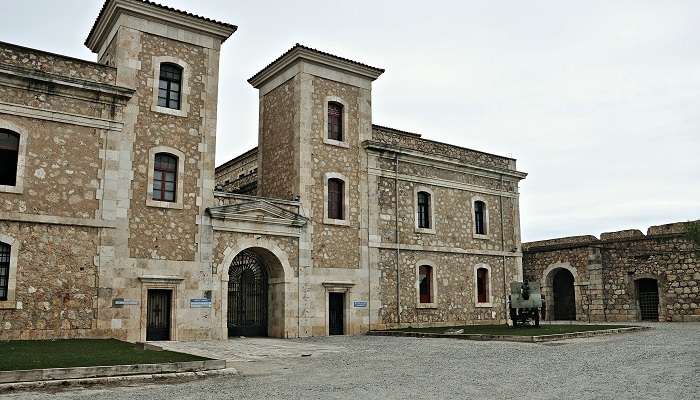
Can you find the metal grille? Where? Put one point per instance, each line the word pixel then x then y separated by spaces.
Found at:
pixel 158 322
pixel 247 296
pixel 4 269
pixel 648 299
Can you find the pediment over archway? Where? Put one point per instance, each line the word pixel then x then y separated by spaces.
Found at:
pixel 261 211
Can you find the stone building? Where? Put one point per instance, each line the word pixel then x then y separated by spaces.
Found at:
pixel 239 175
pixel 115 223
pixel 623 276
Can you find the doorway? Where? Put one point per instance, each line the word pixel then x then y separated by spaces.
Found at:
pixel 564 296
pixel 648 298
pixel 247 296
pixel 158 315
pixel 336 313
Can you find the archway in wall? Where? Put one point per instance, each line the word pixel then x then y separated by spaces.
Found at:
pixel 564 297
pixel 648 299
pixel 255 298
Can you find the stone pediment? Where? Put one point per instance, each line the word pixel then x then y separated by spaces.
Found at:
pixel 260 211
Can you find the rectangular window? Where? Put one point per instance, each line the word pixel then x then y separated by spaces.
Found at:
pixel 424 210
pixel 169 86
pixel 482 285
pixel 335 121
pixel 4 270
pixel 480 217
pixel 164 177
pixel 335 198
pixel 425 283
pixel 9 153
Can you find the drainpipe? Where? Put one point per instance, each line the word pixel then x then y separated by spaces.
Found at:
pixel 503 255
pixel 398 241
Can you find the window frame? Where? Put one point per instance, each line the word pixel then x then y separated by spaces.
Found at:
pixel 179 181
pixel 164 182
pixel 18 187
pixel 169 82
pixel 487 229
pixel 433 284
pixel 344 116
pixel 489 286
pixel 431 208
pixel 346 200
pixel 331 105
pixel 154 83
pixel 10 301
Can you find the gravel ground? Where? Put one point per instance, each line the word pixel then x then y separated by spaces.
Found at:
pixel 662 363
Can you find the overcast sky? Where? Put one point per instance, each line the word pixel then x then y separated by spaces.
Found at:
pixel 599 101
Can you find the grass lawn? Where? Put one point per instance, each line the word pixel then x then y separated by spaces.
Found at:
pixel 36 354
pixel 544 329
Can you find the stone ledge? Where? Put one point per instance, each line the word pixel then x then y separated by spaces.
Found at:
pixel 62 374
pixel 63 383
pixel 510 338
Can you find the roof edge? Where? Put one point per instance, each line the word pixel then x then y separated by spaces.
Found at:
pixel 301 52
pixel 112 8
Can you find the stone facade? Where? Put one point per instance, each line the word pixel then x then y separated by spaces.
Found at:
pixel 239 175
pixel 607 272
pixel 91 243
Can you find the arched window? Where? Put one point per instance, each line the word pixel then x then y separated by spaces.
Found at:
pixel 4 270
pixel 424 210
pixel 425 284
pixel 336 195
pixel 165 177
pixel 169 86
pixel 335 121
pixel 480 217
pixel 482 285
pixel 9 155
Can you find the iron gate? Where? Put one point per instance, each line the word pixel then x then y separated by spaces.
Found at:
pixel 247 296
pixel 158 318
pixel 648 299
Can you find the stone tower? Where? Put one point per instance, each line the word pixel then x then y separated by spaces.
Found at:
pixel 297 157
pixel 162 233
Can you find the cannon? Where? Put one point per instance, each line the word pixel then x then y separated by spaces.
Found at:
pixel 525 303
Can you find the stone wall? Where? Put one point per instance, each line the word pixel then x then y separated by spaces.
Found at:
pixel 450 245
pixel 455 288
pixel 167 233
pixel 55 64
pixel 61 172
pixel 608 269
pixel 415 142
pixel 56 295
pixel 239 175
pixel 279 109
pixel 335 246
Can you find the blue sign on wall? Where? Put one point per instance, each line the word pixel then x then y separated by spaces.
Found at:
pixel 200 303
pixel 359 303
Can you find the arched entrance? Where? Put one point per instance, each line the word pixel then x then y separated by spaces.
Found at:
pixel 247 295
pixel 648 299
pixel 564 295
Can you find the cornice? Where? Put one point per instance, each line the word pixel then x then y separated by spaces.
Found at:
pixel 435 159
pixel 303 53
pixel 114 8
